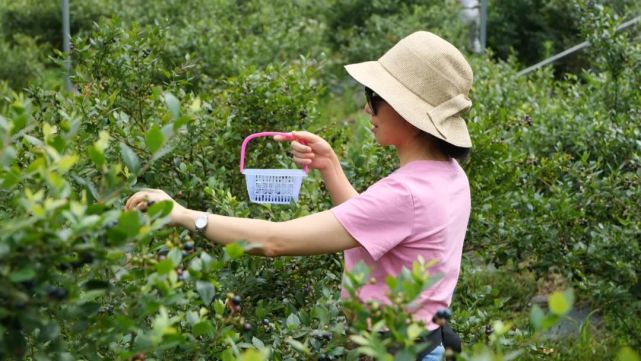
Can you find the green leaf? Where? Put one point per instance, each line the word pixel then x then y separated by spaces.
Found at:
pixel 251 355
pixel 207 259
pixel 22 275
pixel 561 302
pixel 359 340
pixel 536 317
pixel 172 104
pixel 160 209
pixel 154 139
pixel 11 178
pixel 258 343
pixel 627 354
pixel 292 321
pixel 322 314
pixel 227 355
pixel 219 307
pixel 125 323
pixel 129 223
pixel 49 332
pixel 175 255
pixel 203 328
pixel 58 143
pixel 180 122
pixel 234 250
pixel 413 331
pixel 404 355
pixel 297 345
pixel 96 284
pixel 55 180
pixel 130 158
pixel 549 321
pixel 165 266
pixel 196 265
pixel 206 291
pixel 66 162
pixel 8 156
pixel 96 156
pixel 116 236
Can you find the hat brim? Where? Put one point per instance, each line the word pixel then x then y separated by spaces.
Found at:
pixel 409 105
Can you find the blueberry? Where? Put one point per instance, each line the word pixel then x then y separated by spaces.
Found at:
pixel 83 259
pixel 188 246
pixel 265 321
pixel 57 293
pixel 236 300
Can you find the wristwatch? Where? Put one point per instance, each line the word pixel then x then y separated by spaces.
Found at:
pixel 200 224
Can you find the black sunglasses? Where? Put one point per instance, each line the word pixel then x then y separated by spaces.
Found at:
pixel 372 99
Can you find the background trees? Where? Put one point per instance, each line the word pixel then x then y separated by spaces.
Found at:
pixel 165 93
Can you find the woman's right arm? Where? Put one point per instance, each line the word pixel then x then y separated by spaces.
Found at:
pixel 316 153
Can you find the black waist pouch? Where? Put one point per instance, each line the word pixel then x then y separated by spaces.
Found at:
pixel 442 335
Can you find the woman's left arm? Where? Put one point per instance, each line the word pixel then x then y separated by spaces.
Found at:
pixel 318 233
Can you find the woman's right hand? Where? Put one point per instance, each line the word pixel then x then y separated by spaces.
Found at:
pixel 309 149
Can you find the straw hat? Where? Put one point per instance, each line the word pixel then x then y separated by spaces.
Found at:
pixel 426 80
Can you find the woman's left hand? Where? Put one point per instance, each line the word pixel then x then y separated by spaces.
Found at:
pixel 145 198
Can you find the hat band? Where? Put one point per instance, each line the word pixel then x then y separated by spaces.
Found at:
pixel 447 109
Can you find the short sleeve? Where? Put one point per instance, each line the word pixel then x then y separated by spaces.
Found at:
pixel 380 218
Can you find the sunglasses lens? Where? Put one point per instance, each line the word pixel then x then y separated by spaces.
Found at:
pixel 370 95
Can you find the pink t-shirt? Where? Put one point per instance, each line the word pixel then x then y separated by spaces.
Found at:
pixel 421 209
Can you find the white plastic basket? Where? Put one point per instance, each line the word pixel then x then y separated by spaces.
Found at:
pixel 275 186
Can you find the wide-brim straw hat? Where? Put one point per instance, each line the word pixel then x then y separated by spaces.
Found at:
pixel 427 81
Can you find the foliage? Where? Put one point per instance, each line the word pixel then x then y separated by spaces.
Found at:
pixel 533 30
pixel 42 20
pixel 21 61
pixel 165 94
pixel 364 30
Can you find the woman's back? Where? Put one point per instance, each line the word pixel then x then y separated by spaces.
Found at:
pixel 422 209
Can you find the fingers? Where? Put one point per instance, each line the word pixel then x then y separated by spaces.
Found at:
pixel 140 200
pixel 301 148
pixel 142 206
pixel 134 201
pixel 306 136
pixel 303 155
pixel 301 135
pixel 302 161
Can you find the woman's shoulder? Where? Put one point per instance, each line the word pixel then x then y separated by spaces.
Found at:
pixel 419 177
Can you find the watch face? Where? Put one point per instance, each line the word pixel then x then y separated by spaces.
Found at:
pixel 201 222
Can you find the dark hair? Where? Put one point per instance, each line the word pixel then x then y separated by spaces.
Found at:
pixel 448 149
pixel 451 150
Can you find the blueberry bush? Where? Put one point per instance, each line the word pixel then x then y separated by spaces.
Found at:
pixel 164 94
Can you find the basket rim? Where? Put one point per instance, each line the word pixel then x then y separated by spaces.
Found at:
pixel 292 172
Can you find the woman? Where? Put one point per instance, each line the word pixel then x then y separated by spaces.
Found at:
pixel 416 94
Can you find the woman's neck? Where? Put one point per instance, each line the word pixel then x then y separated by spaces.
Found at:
pixel 419 148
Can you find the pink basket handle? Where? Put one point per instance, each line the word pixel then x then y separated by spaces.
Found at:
pixel 243 147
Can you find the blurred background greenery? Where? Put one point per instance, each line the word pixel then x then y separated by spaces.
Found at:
pixel 166 91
